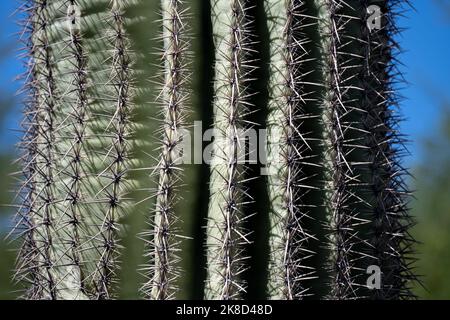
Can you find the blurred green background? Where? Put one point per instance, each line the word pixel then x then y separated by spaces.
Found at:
pixel 426 109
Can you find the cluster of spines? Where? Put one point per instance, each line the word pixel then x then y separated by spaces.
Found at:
pixel 391 245
pixel 162 271
pixel 288 183
pixel 226 235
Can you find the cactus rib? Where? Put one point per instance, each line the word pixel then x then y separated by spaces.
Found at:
pixel 341 120
pixel 161 284
pixel 225 233
pixel 391 243
pixel 116 154
pixel 71 170
pixel 28 269
pixel 287 144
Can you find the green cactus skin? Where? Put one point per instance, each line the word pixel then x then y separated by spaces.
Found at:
pixel 286 152
pixel 225 235
pixel 173 97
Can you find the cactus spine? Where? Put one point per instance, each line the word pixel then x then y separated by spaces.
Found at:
pixel 225 233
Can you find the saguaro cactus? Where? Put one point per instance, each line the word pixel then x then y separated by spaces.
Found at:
pixel 335 180
pixel 116 159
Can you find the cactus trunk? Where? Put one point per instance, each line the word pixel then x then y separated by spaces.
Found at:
pixel 335 180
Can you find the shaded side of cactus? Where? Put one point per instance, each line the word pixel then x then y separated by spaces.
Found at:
pixel 163 240
pixel 391 243
pixel 288 151
pixel 139 15
pixel 225 232
pixel 343 143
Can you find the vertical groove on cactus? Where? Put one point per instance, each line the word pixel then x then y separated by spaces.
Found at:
pixel 288 143
pixel 225 233
pixel 390 241
pixel 342 135
pixel 116 154
pixel 256 210
pixel 139 22
pixel 173 97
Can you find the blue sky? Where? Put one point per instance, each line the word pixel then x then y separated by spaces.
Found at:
pixel 426 66
pixel 10 67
